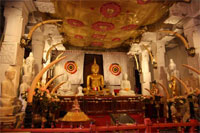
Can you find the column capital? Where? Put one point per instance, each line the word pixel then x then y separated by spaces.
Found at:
pixel 25 6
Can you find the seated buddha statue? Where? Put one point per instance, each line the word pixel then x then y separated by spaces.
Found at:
pixel 65 89
pixel 95 81
pixel 8 100
pixel 126 87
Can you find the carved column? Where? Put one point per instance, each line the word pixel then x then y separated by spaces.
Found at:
pixel 192 32
pixel 16 15
pixel 146 75
pixel 159 73
pixel 37 49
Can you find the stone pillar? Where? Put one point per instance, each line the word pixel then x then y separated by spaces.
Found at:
pixel 16 16
pixel 192 32
pixel 37 49
pixel 159 73
pixel 146 75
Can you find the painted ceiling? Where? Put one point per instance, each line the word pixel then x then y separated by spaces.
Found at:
pixel 104 23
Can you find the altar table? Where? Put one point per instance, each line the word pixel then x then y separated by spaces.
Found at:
pixel 103 104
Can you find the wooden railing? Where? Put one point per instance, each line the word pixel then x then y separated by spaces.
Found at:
pixel 147 127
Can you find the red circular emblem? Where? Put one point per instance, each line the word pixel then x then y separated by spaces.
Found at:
pixel 70 67
pixel 115 69
pixel 78 36
pixel 75 22
pixel 143 1
pixel 116 39
pixel 96 43
pixel 129 27
pixel 102 26
pixel 98 36
pixel 110 10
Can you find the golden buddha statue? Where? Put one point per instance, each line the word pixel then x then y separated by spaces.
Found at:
pixel 95 80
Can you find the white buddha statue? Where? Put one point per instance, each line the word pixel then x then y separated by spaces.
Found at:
pixel 29 65
pixel 7 86
pixel 65 89
pixel 172 71
pixel 26 81
pixel 126 87
pixel 8 93
pixel 80 93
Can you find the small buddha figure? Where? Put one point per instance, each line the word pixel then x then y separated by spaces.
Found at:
pixel 65 89
pixel 80 93
pixel 95 80
pixel 29 66
pixel 172 71
pixel 126 87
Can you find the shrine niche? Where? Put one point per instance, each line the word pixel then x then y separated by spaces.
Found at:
pixel 88 62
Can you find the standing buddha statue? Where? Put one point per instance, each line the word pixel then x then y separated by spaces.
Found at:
pixel 95 80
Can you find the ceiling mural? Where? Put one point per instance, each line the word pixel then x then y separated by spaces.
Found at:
pixel 106 24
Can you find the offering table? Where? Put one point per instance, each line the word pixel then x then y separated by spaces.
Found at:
pixel 103 104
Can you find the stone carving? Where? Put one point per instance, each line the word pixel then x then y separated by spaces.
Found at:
pixel 29 66
pixel 135 49
pixel 172 71
pixel 8 102
pixel 47 7
pixel 7 85
pixel 65 89
pixel 10 106
pixel 126 87
pixel 7 54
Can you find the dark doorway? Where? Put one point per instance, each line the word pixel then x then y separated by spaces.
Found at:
pixel 88 61
pixel 137 82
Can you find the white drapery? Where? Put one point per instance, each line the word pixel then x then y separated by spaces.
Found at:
pixel 110 58
pixel 78 58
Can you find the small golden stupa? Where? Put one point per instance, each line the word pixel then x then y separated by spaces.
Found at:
pixel 75 115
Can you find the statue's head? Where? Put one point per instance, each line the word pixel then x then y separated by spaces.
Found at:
pixel 95 67
pixel 10 73
pixel 125 76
